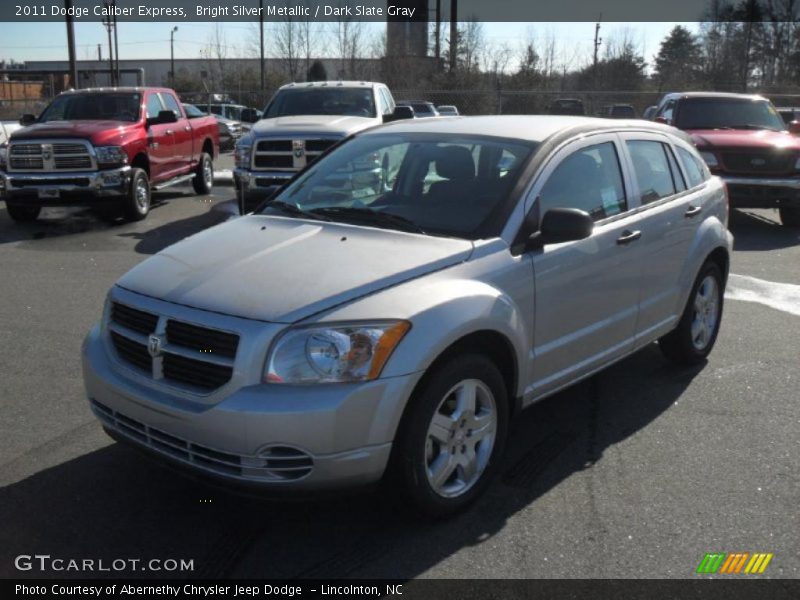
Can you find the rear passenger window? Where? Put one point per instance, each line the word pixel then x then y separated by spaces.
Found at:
pixel 694 168
pixel 590 179
pixel 651 167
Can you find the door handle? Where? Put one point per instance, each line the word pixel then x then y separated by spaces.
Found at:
pixel 169 132
pixel 693 211
pixel 187 128
pixel 628 236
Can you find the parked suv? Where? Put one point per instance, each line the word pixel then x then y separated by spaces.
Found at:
pixel 108 148
pixel 746 142
pixel 333 338
pixel 302 121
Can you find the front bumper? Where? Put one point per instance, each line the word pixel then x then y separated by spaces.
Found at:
pixel 265 436
pixel 65 188
pixel 762 192
pixel 253 187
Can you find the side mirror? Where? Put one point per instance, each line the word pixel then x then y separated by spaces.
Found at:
pixel 400 113
pixel 562 225
pixel 249 115
pixel 27 119
pixel 794 127
pixel 164 117
pixel 661 120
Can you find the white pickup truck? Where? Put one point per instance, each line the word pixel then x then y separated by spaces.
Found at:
pixel 301 121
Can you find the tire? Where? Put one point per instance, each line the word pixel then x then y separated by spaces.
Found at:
pixel 204 175
pixel 694 337
pixel 790 216
pixel 422 447
pixel 137 204
pixel 23 214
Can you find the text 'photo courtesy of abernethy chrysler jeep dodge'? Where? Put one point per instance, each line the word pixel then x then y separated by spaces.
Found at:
pixel 361 328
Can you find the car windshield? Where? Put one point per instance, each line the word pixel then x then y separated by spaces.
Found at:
pixel 354 102
pixel 727 113
pixel 90 107
pixel 450 185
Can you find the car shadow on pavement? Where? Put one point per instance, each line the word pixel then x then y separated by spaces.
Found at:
pixel 111 503
pixel 156 239
pixel 757 231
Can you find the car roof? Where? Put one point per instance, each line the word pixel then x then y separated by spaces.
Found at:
pixel 713 95
pixel 124 89
pixel 333 84
pixel 533 128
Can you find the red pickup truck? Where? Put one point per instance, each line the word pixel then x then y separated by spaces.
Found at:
pixel 110 148
pixel 745 141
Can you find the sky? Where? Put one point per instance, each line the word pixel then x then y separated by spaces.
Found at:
pixel 47 41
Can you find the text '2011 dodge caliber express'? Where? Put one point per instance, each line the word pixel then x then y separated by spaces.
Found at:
pixel 345 332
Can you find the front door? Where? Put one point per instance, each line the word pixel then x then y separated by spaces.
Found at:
pixel 586 291
pixel 160 141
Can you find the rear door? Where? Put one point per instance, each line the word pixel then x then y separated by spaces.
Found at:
pixel 183 153
pixel 160 140
pixel 670 213
pixel 586 291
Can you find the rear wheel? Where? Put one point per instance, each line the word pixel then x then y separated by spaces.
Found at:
pixel 137 204
pixel 790 216
pixel 204 175
pixel 23 214
pixel 694 337
pixel 453 436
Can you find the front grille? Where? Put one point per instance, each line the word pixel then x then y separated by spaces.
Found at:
pixel 198 357
pixel 63 181
pixel 195 373
pixel 136 320
pixel 202 339
pixel 276 463
pixel 50 156
pixel 319 146
pixel 758 163
pixel 274 161
pixel 275 146
pixel 132 352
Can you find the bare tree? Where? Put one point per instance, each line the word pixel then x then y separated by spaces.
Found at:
pixel 289 45
pixel 348 40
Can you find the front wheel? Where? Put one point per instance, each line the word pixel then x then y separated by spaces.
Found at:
pixel 203 179
pixel 694 337
pixel 137 204
pixel 453 435
pixel 23 214
pixel 790 216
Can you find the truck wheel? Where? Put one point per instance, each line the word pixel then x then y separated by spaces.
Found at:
pixel 790 216
pixel 692 340
pixel 452 438
pixel 23 214
pixel 204 175
pixel 137 204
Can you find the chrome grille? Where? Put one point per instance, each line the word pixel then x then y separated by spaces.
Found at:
pixel 288 155
pixel 275 463
pixel 50 156
pixel 197 357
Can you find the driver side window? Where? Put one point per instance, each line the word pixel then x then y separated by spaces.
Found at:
pixel 154 106
pixel 589 179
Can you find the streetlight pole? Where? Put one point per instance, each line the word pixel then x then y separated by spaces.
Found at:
pixel 73 70
pixel 116 44
pixel 172 56
pixel 261 40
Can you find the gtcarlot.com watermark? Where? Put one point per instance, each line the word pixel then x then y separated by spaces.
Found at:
pixel 45 563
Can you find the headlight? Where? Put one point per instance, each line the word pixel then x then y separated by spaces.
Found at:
pixel 335 354
pixel 111 155
pixel 710 158
pixel 242 154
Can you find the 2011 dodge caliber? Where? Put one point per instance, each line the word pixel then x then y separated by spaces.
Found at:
pixel 358 327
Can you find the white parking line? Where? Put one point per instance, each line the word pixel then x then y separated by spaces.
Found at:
pixel 780 296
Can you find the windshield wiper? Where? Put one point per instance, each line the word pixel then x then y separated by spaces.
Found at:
pixel 293 210
pixel 369 216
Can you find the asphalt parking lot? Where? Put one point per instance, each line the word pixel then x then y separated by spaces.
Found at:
pixel 637 472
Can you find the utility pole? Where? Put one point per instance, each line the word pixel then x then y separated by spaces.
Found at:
pixel 172 56
pixel 437 42
pixel 116 44
pixel 597 41
pixel 100 52
pixel 453 34
pixel 108 23
pixel 748 40
pixel 73 70
pixel 261 43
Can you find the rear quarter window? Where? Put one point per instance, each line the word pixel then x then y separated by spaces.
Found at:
pixel 695 171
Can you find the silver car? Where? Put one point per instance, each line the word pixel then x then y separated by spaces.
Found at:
pixel 349 332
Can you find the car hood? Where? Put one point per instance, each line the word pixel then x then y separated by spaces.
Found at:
pixel 336 125
pixel 283 270
pixel 744 138
pixel 99 132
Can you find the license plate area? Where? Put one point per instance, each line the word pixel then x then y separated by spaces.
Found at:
pixel 49 194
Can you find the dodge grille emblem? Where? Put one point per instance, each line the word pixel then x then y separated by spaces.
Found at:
pixel 154 345
pixel 758 162
pixel 47 151
pixel 299 148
